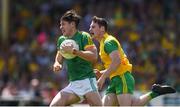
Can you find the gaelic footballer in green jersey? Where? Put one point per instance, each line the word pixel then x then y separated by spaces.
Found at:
pixel 79 68
pixel 82 81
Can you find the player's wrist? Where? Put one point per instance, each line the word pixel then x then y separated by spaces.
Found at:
pixel 74 51
pixel 56 62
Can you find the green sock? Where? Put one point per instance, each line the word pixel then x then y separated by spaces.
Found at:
pixel 153 94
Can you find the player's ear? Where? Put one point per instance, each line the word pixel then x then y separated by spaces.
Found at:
pixel 73 24
pixel 102 28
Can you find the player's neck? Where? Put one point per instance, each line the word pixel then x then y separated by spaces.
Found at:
pixel 72 33
pixel 101 36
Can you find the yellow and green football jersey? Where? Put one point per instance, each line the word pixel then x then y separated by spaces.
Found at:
pixel 109 44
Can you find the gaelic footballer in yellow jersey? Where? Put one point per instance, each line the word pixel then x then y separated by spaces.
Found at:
pixel 109 44
pixel 118 69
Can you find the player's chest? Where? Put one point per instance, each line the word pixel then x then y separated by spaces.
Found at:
pixel 103 55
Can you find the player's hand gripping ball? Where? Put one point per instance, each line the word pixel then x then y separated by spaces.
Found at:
pixel 68 42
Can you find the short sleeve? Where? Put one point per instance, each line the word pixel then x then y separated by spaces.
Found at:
pixel 110 46
pixel 60 40
pixel 87 40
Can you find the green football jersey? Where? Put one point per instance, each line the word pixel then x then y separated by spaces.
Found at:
pixel 77 67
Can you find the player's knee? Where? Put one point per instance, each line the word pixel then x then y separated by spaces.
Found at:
pixel 52 104
pixel 97 103
pixel 60 102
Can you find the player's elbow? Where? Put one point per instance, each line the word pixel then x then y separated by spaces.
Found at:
pixel 94 56
pixel 94 59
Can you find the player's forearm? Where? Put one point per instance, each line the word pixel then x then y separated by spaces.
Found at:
pixel 87 55
pixel 113 66
pixel 115 61
pixel 58 58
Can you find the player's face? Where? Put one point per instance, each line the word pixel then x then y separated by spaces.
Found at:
pixel 94 30
pixel 66 28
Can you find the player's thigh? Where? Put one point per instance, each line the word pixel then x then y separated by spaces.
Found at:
pixel 110 100
pixel 93 98
pixel 124 84
pixel 64 98
pixel 125 99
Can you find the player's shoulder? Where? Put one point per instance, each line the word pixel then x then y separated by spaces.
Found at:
pixel 61 38
pixel 109 39
pixel 85 33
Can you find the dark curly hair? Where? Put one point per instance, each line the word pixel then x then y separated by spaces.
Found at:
pixel 100 22
pixel 71 16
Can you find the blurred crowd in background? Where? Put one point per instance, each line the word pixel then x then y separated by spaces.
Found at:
pixel 148 30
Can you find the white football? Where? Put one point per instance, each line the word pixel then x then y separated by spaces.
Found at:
pixel 66 43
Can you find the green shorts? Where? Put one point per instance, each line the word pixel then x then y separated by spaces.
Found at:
pixel 121 84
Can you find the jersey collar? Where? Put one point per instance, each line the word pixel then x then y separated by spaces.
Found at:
pixel 74 35
pixel 104 37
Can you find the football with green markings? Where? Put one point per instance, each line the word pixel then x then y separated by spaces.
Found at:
pixel 68 42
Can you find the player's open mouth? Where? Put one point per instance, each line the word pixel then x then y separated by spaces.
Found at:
pixel 92 33
pixel 63 31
